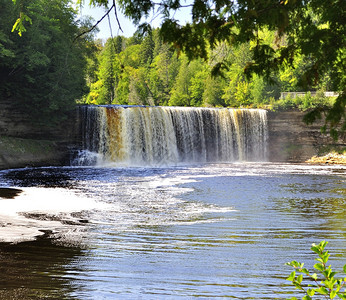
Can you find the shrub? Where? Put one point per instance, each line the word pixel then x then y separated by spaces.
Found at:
pixel 327 285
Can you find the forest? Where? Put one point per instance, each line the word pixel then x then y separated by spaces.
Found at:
pixel 142 70
pixel 42 70
pixel 47 66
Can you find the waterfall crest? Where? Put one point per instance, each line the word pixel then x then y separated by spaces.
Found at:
pixel 155 136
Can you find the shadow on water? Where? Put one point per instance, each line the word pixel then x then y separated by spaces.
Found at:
pixel 9 193
pixel 40 177
pixel 37 270
pixel 52 177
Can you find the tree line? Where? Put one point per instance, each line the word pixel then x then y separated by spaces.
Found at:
pixel 143 70
pixel 233 53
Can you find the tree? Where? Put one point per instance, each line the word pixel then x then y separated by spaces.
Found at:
pixel 312 28
pixel 106 74
pixel 147 53
pixel 164 70
pixel 42 72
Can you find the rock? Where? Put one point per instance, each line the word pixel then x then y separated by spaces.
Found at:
pixel 330 158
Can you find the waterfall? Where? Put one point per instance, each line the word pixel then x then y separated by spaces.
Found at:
pixel 156 136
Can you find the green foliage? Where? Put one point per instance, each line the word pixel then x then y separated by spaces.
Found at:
pixel 302 40
pixel 42 72
pixel 327 285
pixel 19 24
pixel 149 72
pixel 297 44
pixel 313 105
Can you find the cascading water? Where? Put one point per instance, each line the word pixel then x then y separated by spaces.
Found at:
pixel 142 136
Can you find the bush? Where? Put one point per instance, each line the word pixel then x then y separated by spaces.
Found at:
pixel 327 285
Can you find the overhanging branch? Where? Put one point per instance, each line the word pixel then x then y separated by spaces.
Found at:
pixel 99 21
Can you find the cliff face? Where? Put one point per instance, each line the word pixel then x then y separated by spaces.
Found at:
pixel 291 140
pixel 22 144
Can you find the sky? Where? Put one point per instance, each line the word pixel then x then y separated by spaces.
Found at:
pixel 126 25
pixel 105 31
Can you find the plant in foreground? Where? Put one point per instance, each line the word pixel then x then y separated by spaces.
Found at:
pixel 328 286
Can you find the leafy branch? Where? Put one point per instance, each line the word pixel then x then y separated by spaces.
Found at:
pixel 19 24
pixel 328 285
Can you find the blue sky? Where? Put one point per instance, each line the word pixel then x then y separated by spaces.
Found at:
pixel 126 25
pixel 105 32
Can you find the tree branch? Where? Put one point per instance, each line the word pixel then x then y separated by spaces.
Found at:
pixel 116 16
pixel 94 26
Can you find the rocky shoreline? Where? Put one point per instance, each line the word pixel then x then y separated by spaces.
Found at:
pixel 331 158
pixel 23 152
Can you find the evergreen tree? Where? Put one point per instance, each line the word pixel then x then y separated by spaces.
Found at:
pixel 106 74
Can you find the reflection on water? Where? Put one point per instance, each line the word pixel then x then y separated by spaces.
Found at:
pixel 211 231
pixel 36 270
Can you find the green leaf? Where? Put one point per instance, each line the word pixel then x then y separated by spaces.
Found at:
pixel 305 271
pixel 323 244
pixel 16 24
pixel 297 285
pixel 342 296
pixel 315 249
pixel 310 292
pixel 292 276
pixel 325 257
pixel 293 263
pixel 344 269
pixel 314 276
pixel 322 290
pixel 332 294
pixel 307 297
pixel 300 279
pixel 319 267
pixel 19 26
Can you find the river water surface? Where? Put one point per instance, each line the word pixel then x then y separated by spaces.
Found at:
pixel 206 231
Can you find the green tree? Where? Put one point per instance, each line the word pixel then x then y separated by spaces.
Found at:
pixel 164 70
pixel 42 71
pixel 147 51
pixel 312 28
pixel 105 86
pixel 212 95
pixel 181 94
pixel 197 86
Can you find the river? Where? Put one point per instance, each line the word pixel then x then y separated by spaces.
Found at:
pixel 207 231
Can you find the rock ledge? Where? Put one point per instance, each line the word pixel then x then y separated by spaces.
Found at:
pixel 330 158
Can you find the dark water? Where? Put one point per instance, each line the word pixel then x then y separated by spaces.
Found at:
pixel 205 232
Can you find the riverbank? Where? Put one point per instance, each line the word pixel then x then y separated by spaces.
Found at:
pixel 24 145
pixel 331 158
pixel 20 152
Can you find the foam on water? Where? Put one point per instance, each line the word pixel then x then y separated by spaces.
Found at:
pixel 38 210
pixel 121 199
pixel 114 198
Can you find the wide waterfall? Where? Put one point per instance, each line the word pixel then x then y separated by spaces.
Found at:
pixel 161 136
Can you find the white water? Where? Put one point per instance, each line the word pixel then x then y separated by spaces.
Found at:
pixel 165 136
